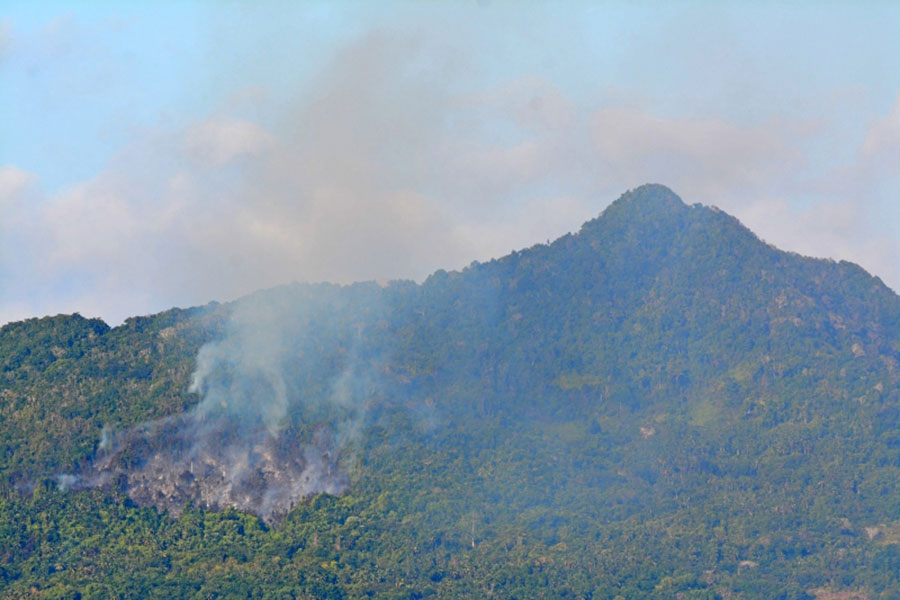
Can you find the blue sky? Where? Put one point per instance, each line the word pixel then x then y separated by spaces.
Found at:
pixel 160 154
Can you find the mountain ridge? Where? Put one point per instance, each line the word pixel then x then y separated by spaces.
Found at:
pixel 661 383
pixel 650 203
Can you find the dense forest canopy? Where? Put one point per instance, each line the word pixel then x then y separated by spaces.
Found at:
pixel 659 405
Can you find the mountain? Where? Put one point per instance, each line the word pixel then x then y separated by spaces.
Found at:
pixel 659 405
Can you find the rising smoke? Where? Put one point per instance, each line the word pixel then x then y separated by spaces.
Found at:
pixel 284 397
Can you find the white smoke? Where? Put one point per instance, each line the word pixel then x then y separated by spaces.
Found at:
pixel 257 440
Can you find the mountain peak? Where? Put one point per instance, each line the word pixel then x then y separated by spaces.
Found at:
pixel 650 198
pixel 651 205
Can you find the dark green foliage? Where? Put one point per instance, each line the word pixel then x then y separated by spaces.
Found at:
pixel 659 406
pixel 63 378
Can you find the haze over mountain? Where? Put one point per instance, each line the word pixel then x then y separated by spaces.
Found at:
pixel 659 405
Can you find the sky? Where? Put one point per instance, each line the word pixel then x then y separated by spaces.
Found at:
pixel 174 153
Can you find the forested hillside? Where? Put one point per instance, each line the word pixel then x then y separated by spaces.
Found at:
pixel 659 405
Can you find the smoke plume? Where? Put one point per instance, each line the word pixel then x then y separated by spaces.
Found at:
pixel 283 405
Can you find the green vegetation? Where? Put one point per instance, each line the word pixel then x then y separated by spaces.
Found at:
pixel 659 406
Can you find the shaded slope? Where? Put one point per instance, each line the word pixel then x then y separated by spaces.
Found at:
pixel 656 301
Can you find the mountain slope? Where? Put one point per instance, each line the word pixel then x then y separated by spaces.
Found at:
pixel 659 404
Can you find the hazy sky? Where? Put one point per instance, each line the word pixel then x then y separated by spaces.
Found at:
pixel 160 154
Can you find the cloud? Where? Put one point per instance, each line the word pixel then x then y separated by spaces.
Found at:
pixel 13 182
pixel 876 173
pixel 5 38
pixel 835 229
pixel 19 195
pixel 390 163
pixel 847 213
pixel 218 141
pixel 883 137
pixel 707 157
pixel 222 207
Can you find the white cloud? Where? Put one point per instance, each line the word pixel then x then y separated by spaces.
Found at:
pixel 704 158
pixel 218 141
pixel 13 182
pixel 382 168
pixel 5 38
pixel 883 136
pixel 833 229
pixel 849 213
pixel 224 207
pixel 538 220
